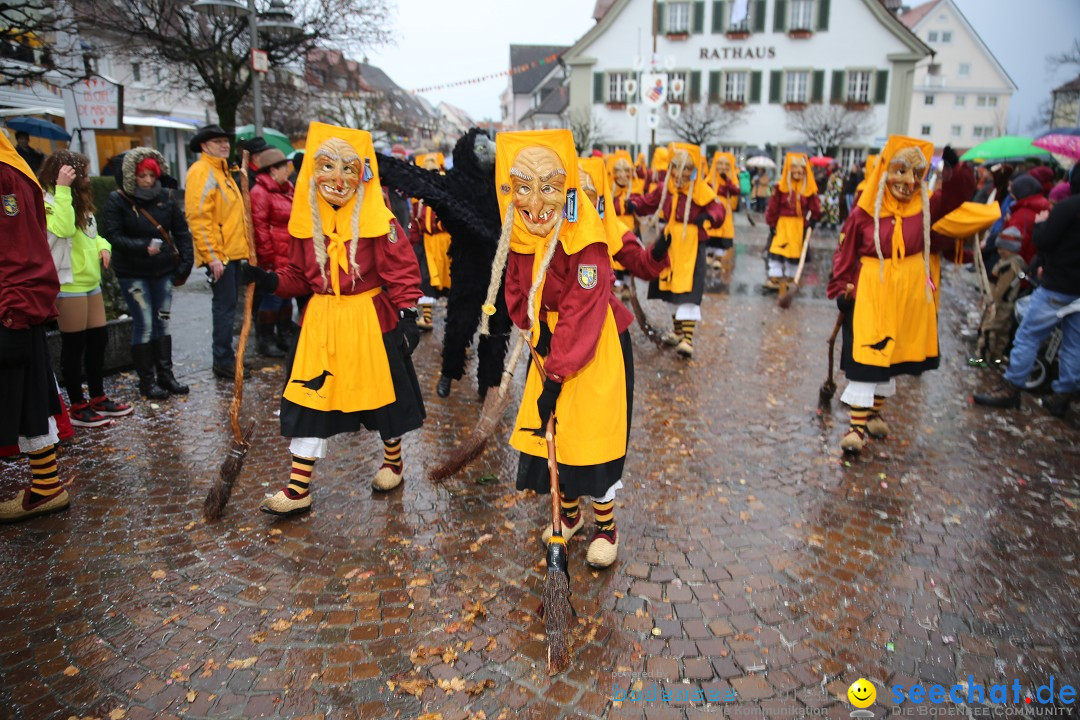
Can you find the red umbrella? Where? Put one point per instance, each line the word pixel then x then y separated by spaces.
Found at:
pixel 821 161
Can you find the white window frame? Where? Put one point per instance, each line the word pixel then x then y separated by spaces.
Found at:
pixel 926 130
pixel 616 86
pixel 802 15
pixel 980 101
pixel 932 36
pixel 957 131
pixel 960 100
pixel 991 101
pixel 858 86
pixel 736 83
pixel 929 99
pixel 678 18
pixel 790 84
pixel 746 23
pixel 964 69
pixel 946 36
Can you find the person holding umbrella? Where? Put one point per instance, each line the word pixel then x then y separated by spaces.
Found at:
pixel 31 155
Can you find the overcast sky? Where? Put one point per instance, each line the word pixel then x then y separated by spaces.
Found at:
pixel 439 41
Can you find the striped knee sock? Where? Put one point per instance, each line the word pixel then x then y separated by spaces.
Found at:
pixel 300 476
pixel 879 402
pixel 859 416
pixel 427 313
pixel 604 514
pixel 46 478
pixel 392 454
pixel 688 330
pixel 571 508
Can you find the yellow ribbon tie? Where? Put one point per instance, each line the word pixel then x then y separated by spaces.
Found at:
pixel 339 258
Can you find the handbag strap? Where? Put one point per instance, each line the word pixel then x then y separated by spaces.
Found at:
pixel 164 233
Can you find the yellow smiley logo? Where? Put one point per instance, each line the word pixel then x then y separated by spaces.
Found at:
pixel 862 693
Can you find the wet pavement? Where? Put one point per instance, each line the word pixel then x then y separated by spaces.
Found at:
pixel 758 568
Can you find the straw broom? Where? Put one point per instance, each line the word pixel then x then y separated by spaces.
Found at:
pixel 788 296
pixel 221 490
pixel 495 405
pixel 556 606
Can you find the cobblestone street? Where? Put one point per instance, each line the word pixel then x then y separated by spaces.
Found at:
pixel 754 559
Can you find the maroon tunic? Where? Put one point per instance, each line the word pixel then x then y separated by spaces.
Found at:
pixel 783 204
pixel 382 262
pixel 28 281
pixel 648 203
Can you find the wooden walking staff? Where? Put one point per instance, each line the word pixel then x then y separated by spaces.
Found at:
pixel 556 607
pixel 221 490
pixel 786 296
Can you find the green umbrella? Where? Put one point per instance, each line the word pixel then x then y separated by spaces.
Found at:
pixel 1006 147
pixel 273 138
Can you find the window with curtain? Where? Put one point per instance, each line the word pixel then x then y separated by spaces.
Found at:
pixel 678 17
pixel 739 19
pixel 617 87
pixel 797 86
pixel 735 87
pixel 802 15
pixel 858 86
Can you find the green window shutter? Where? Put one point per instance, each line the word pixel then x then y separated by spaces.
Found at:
pixel 757 16
pixel 695 86
pixel 779 20
pixel 817 90
pixel 598 93
pixel 714 86
pixel 718 16
pixel 699 17
pixel 823 15
pixel 837 94
pixel 659 18
pixel 776 81
pixel 881 87
pixel 755 86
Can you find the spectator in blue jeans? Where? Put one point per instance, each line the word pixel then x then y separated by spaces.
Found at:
pixel 151 253
pixel 1057 242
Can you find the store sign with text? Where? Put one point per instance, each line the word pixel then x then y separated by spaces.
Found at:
pixel 738 52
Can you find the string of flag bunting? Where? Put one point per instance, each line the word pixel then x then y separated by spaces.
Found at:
pixel 483 78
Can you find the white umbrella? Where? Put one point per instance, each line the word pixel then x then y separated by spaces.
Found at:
pixel 760 161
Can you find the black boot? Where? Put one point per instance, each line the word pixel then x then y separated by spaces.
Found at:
pixel 285 334
pixel 163 356
pixel 143 355
pixel 443 388
pixel 264 331
pixel 1057 404
pixel 1005 395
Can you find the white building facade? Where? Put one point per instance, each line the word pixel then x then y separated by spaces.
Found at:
pixel 962 93
pixel 766 57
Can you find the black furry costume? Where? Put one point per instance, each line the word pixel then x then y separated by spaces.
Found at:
pixel 465 201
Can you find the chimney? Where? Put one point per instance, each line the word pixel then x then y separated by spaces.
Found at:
pixel 893 6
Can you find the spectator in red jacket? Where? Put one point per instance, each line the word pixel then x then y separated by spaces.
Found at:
pixel 1029 203
pixel 271 203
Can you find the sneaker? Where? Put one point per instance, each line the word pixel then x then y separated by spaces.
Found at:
pixel 104 406
pixel 603 549
pixel 568 528
pixel 82 415
pixel 21 507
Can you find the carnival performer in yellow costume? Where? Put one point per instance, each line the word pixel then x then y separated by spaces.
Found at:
pixel 886 275
pixel 690 208
pixel 724 180
pixel 795 197
pixel 351 368
pixel 432 245
pixel 554 250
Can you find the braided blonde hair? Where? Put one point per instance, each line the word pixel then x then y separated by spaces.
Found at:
pixel 502 252
pixel 318 235
pixel 879 199
pixel 542 273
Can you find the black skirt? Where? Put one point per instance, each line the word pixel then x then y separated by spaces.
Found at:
pixel 28 394
pixel 696 292
pixel 392 421
pixel 858 372
pixel 578 480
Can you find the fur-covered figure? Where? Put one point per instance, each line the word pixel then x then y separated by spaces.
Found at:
pixel 465 201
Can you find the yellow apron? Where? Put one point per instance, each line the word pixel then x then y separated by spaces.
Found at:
pixel 894 322
pixel 727 230
pixel 340 361
pixel 679 278
pixel 590 413
pixel 436 249
pixel 789 237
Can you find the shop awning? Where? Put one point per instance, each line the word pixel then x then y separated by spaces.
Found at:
pixel 159 122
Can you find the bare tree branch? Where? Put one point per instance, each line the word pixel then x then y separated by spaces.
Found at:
pixel 827 127
pixel 31 33
pixel 704 124
pixel 1068 59
pixel 587 130
pixel 216 48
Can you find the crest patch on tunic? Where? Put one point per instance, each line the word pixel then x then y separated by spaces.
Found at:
pixel 11 205
pixel 586 276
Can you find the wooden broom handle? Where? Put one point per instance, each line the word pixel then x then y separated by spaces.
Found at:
pixel 549 438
